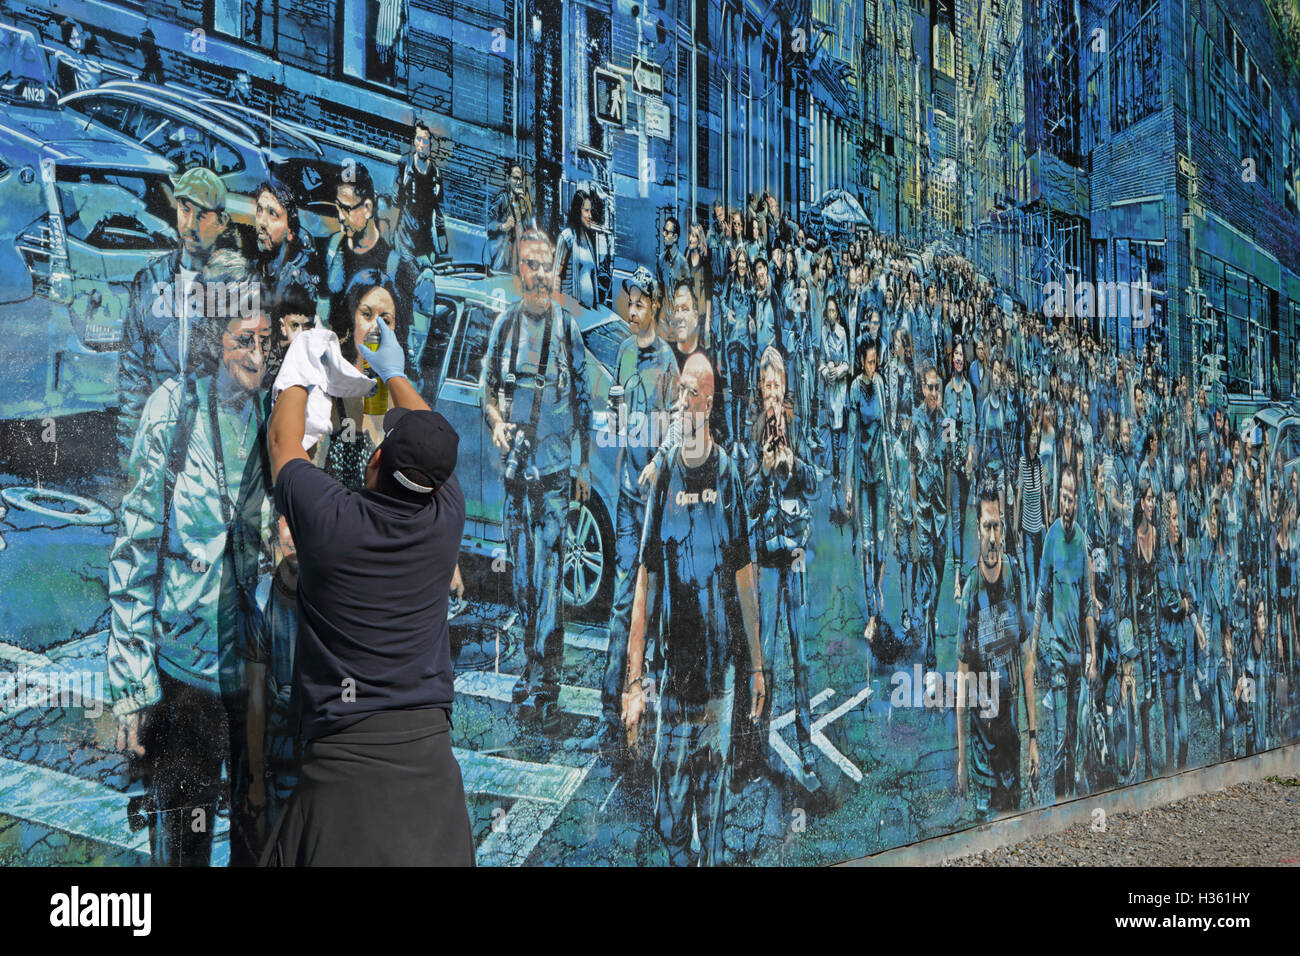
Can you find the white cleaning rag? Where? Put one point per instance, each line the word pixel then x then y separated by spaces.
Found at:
pixel 315 362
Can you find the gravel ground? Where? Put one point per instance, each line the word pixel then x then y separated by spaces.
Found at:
pixel 1250 824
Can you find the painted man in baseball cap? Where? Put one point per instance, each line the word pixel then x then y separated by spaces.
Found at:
pixel 640 406
pixel 156 339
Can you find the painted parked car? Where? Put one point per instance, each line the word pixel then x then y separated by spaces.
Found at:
pixel 82 210
pixel 180 126
pixel 468 301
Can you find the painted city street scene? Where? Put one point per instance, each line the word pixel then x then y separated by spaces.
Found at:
pixel 876 418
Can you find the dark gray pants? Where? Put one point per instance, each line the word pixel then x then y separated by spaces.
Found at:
pixel 386 791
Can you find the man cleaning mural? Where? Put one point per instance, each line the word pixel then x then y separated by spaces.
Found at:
pixel 842 497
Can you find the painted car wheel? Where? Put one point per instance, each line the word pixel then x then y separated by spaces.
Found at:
pixel 585 562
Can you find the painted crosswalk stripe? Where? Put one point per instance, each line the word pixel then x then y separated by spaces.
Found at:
pixel 587 637
pixel 83 808
pixel 517 779
pixel 14 654
pixel 69 804
pixel 516 834
pixel 579 701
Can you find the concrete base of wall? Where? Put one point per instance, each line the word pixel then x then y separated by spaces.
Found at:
pixel 1032 824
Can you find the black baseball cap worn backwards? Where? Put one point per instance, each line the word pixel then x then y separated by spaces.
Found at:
pixel 418 450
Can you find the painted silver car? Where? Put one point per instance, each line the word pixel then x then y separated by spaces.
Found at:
pixel 178 125
pixel 82 210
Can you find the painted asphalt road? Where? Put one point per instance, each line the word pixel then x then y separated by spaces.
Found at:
pixel 43 797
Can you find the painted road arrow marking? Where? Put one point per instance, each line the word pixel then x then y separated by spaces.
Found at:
pixel 516 834
pixel 786 752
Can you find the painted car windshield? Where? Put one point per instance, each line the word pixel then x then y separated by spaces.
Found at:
pixel 604 339
pixel 111 210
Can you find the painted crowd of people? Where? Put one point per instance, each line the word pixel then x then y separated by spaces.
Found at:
pixel 1120 559
pixel 1117 556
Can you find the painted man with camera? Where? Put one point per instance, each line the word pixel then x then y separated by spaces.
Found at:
pixel 777 487
pixel 535 399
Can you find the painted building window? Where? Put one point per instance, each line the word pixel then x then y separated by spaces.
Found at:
pixel 703 152
pixel 259 21
pixel 374 40
pixel 1092 129
pixel 844 22
pixel 1135 62
pixel 254 21
pixel 1291 168
pixel 943 50
pixel 1139 261
pixel 1292 371
pixel 1247 308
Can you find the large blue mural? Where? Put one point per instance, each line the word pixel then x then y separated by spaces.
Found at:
pixel 866 488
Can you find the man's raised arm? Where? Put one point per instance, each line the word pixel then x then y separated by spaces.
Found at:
pixel 285 430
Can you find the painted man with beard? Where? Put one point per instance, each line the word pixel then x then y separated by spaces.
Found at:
pixel 696 547
pixel 284 258
pixel 535 400
pixel 991 624
pixel 156 336
pixel 1066 602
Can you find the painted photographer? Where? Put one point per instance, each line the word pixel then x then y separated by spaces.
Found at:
pixel 777 487
pixel 535 400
